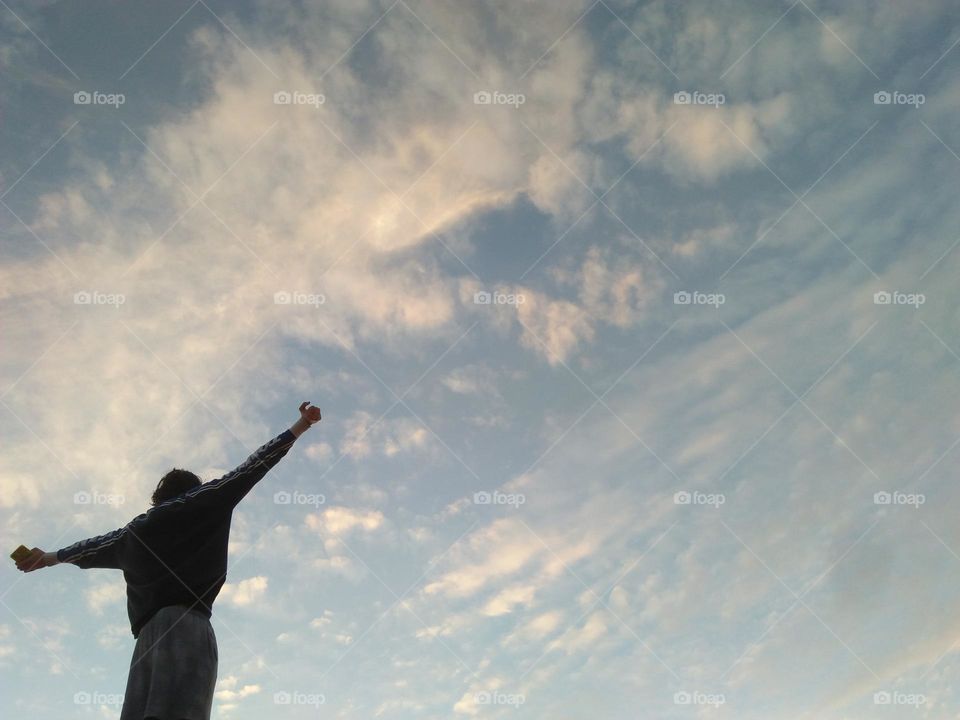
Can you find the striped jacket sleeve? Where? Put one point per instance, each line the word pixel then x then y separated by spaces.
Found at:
pixel 95 552
pixel 226 492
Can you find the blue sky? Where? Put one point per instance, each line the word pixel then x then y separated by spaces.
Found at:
pixel 687 519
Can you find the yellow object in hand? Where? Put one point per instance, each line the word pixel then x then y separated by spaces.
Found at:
pixel 20 553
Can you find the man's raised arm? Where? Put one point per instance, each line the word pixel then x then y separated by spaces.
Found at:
pixel 226 492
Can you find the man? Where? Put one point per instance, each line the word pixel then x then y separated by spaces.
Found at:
pixel 174 561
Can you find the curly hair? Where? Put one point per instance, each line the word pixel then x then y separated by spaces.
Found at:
pixel 176 482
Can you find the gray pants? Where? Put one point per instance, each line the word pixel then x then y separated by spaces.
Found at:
pixel 173 672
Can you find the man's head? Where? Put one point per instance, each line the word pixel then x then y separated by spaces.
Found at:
pixel 174 483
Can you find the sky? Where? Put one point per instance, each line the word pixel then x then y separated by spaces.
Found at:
pixel 631 325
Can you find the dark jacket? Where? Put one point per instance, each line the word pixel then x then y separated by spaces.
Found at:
pixel 176 552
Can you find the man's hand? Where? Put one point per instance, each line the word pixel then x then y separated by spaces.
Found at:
pixel 310 413
pixel 37 559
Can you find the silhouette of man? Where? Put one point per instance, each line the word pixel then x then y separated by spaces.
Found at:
pixel 174 561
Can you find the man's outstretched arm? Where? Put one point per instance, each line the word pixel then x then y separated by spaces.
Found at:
pixel 95 552
pixel 226 492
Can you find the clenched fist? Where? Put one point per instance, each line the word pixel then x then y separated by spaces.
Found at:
pixel 310 413
pixel 37 559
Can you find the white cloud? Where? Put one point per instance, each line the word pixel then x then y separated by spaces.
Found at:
pixel 365 435
pixel 507 599
pixel 551 328
pixel 112 637
pixel 7 649
pixel 472 379
pixel 323 620
pixel 703 239
pixel 707 142
pixel 100 596
pixel 17 489
pixel 557 184
pixel 612 287
pixel 610 290
pixel 413 435
pixel 338 520
pixel 341 565
pixel 542 625
pixel 577 639
pixel 497 551
pixel 319 451
pixel 244 593
pixel 229 690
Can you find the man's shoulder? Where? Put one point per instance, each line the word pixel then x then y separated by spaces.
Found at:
pixel 165 509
